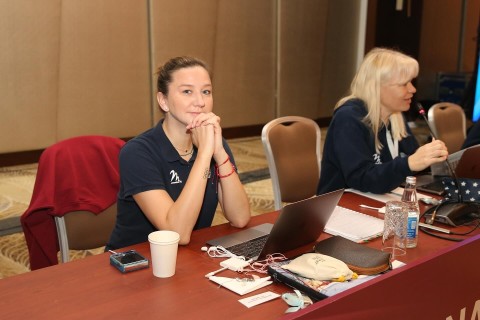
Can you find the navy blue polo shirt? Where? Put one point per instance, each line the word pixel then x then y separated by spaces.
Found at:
pixel 150 162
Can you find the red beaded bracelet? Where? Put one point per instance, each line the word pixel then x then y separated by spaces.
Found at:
pixel 228 159
pixel 226 175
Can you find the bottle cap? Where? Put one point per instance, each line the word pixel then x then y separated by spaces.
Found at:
pixel 411 179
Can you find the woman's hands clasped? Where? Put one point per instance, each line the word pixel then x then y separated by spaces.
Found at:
pixel 206 133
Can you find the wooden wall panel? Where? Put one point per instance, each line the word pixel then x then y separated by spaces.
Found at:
pixel 340 55
pixel 29 46
pixel 439 43
pixel 104 84
pixel 440 39
pixel 302 41
pixel 244 62
pixel 87 67
pixel 472 25
pixel 181 27
pixel 236 39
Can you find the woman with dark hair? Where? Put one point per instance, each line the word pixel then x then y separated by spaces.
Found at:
pixel 173 176
pixel 368 145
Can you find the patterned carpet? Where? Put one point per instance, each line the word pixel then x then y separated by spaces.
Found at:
pixel 16 185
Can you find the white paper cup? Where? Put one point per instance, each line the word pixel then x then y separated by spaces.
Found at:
pixel 163 249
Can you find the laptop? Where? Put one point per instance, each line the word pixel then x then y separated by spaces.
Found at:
pixel 463 163
pixel 430 184
pixel 298 224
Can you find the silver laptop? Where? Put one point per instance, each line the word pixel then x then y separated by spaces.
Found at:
pixel 433 183
pixel 430 184
pixel 441 168
pixel 298 224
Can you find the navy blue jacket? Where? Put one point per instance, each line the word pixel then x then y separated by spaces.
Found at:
pixel 473 136
pixel 349 158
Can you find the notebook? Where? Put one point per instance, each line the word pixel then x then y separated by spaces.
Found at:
pixel 298 224
pixel 353 225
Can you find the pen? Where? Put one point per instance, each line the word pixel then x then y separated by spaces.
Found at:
pixel 208 275
pixel 421 224
pixel 369 207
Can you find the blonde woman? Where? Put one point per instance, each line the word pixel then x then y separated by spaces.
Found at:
pixel 368 145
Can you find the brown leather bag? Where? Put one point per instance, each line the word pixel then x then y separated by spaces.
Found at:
pixel 358 257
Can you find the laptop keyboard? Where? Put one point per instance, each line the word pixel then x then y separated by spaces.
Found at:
pixel 249 249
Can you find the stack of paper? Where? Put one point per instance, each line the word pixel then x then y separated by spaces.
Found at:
pixel 394 195
pixel 353 225
pixel 241 286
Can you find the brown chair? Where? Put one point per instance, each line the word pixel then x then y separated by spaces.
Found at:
pixel 292 147
pixel 448 122
pixel 83 230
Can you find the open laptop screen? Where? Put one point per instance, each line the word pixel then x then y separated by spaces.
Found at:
pixel 298 224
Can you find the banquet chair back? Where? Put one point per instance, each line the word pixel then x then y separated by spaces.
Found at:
pixel 292 147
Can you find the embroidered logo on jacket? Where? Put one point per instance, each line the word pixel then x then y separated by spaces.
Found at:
pixel 174 179
pixel 376 158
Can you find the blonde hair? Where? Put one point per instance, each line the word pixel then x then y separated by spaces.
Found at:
pixel 379 67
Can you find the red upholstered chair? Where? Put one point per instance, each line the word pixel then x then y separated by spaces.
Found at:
pixel 77 183
pixel 292 147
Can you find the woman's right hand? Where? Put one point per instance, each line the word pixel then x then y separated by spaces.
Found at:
pixel 203 138
pixel 428 154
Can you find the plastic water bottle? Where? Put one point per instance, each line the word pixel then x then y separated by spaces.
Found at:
pixel 410 198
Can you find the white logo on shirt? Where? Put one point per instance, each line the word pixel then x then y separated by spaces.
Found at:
pixel 376 158
pixel 174 179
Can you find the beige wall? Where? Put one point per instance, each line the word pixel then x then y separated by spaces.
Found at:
pixel 303 28
pixel 340 55
pixel 72 68
pixel 181 27
pixel 104 71
pixel 244 64
pixel 82 67
pixel 87 67
pixel 29 47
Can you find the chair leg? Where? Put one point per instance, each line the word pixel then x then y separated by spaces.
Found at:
pixel 62 239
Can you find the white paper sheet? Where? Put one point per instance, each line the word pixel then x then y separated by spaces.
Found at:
pixel 240 286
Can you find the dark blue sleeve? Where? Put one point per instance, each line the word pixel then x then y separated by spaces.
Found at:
pixel 363 169
pixel 473 137
pixel 409 144
pixel 140 169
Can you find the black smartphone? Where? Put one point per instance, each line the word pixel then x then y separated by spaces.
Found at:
pixel 128 261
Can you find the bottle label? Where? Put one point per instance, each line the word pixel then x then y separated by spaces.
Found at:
pixel 412 225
